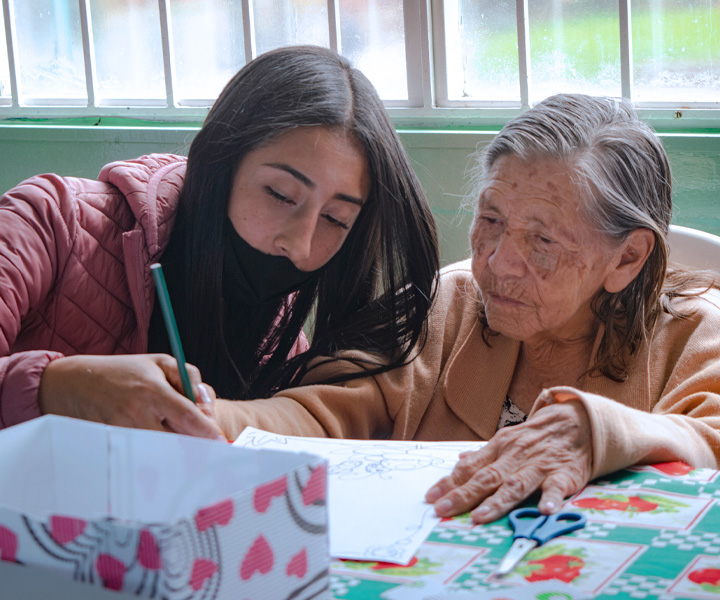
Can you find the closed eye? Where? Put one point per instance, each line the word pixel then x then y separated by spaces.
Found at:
pixel 278 196
pixel 544 240
pixel 490 220
pixel 333 221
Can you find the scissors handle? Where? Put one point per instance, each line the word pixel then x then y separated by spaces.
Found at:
pixel 524 526
pixel 558 524
pixel 530 523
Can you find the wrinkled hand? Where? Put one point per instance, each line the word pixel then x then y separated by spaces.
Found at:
pixel 551 451
pixel 132 390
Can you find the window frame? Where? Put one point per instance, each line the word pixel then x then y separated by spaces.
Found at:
pixel 427 106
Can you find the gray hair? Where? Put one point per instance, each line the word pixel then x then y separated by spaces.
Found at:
pixel 621 170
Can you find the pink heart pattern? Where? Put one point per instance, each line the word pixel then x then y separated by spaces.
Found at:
pixel 316 487
pixel 202 570
pixel 265 493
pixel 298 564
pixel 66 529
pixel 219 513
pixel 148 554
pixel 8 544
pixel 111 571
pixel 258 558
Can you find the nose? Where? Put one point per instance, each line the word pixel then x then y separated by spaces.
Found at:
pixel 295 239
pixel 507 259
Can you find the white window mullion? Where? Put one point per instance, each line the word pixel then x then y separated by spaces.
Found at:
pixel 439 52
pixel 523 34
pixel 11 38
pixel 333 10
pixel 248 29
pixel 426 54
pixel 88 51
pixel 416 46
pixel 167 50
pixel 626 57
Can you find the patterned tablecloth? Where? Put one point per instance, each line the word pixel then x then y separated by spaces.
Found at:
pixel 652 532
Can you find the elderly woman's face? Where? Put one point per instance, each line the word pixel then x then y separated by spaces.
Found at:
pixel 536 259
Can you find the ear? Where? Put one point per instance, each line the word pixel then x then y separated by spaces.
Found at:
pixel 629 259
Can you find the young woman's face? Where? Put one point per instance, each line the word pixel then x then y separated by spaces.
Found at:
pixel 300 195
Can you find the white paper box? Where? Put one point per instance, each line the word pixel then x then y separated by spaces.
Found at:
pixel 159 515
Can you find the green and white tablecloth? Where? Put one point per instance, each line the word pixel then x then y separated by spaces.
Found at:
pixel 652 532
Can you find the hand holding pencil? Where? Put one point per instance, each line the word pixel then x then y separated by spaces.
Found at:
pixel 144 391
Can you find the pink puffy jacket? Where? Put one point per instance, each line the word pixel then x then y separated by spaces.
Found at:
pixel 74 269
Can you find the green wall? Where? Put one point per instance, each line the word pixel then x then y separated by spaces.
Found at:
pixel 440 158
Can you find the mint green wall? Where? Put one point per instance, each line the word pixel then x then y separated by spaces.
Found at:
pixel 440 158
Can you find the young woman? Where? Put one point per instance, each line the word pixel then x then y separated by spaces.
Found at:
pixel 296 199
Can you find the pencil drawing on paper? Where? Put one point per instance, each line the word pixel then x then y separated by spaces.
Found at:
pixel 359 462
pixel 352 459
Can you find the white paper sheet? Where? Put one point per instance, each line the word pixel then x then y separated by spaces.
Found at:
pixel 375 490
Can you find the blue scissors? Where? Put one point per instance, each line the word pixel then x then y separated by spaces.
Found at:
pixel 534 529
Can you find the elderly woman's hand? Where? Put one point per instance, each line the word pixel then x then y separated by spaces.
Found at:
pixel 551 451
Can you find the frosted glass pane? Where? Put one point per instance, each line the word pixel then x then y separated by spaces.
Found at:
pixel 372 36
pixel 574 47
pixel 676 49
pixel 289 22
pixel 482 50
pixel 48 52
pixel 208 44
pixel 4 66
pixel 128 49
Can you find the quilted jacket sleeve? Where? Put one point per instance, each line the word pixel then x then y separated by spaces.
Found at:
pixel 35 241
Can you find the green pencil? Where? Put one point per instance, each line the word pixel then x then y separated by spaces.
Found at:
pixel 171 326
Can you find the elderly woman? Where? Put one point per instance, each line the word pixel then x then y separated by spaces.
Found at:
pixel 569 327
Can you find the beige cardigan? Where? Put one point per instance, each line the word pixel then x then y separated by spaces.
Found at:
pixel 667 409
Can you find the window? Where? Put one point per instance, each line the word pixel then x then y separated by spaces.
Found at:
pixel 459 62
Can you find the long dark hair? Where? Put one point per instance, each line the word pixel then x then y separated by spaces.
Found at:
pixel 373 295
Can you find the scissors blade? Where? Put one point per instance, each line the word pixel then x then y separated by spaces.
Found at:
pixel 520 547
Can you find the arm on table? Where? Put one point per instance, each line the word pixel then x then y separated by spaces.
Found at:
pixel 355 409
pixel 668 409
pixel 677 416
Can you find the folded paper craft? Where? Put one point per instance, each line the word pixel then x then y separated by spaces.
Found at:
pixel 160 515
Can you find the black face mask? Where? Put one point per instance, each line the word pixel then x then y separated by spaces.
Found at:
pixel 252 277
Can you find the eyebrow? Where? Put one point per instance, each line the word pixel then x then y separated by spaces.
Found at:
pixel 305 180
